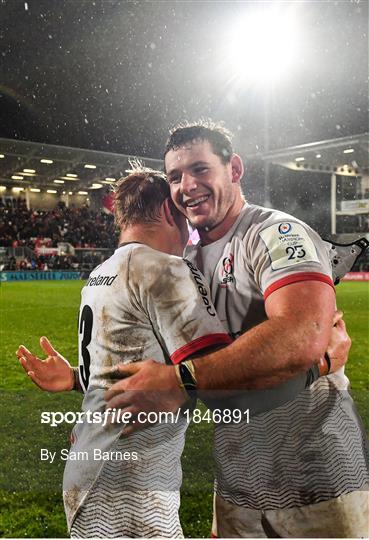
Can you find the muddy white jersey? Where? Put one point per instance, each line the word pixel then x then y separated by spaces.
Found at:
pixel 288 454
pixel 138 304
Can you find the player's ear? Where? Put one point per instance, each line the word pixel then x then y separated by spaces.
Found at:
pixel 168 211
pixel 237 168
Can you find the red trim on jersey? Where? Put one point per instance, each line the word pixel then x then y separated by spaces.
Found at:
pixel 212 535
pixel 302 276
pixel 197 344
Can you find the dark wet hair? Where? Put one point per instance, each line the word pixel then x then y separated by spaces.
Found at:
pixel 215 133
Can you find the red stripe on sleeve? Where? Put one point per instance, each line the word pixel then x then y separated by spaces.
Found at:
pixel 198 344
pixel 302 276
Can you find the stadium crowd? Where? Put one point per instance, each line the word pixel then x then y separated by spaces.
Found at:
pixel 81 227
pixel 41 262
pixel 36 229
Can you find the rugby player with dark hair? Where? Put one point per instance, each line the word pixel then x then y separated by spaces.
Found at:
pixel 299 468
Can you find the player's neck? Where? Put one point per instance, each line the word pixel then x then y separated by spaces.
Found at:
pixel 214 234
pixel 152 237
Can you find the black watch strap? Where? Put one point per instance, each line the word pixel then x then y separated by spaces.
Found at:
pixel 187 374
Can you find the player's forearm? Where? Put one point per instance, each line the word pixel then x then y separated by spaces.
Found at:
pixel 265 356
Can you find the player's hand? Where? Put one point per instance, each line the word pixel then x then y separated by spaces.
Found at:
pixel 149 387
pixel 339 344
pixel 53 374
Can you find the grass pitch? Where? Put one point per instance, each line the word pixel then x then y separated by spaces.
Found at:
pixel 30 491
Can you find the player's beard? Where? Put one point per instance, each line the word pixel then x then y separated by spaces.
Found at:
pixel 225 204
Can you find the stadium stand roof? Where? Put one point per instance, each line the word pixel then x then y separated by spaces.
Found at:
pixel 346 156
pixel 30 164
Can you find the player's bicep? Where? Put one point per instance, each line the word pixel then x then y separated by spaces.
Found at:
pixel 303 301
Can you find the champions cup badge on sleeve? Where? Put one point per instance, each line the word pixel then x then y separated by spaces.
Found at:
pixel 284 228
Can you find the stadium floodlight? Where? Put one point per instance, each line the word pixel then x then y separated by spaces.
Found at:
pixel 46 161
pixel 51 191
pixel 318 156
pixel 88 166
pixel 17 177
pixel 264 44
pixel 2 156
pixel 26 173
pixel 300 159
pixel 35 190
pixel 71 175
pixel 96 186
pixel 82 193
pixel 58 181
pixel 30 171
pixel 16 189
pixel 2 188
pixel 348 151
pixel 108 179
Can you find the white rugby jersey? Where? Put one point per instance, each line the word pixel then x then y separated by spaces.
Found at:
pixel 293 451
pixel 138 304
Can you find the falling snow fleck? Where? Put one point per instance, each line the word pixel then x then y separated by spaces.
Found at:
pixel 25 6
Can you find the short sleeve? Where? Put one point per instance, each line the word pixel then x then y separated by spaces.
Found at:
pixel 286 252
pixel 174 295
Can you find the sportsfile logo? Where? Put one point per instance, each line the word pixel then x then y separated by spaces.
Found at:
pixel 107 417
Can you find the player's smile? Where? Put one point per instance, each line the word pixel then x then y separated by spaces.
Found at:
pixel 195 204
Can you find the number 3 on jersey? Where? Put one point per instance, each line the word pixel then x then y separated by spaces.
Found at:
pixel 85 331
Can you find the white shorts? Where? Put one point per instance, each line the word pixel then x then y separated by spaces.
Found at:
pixel 346 516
